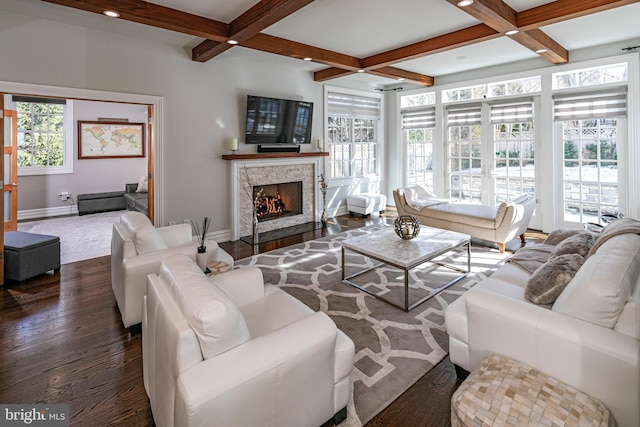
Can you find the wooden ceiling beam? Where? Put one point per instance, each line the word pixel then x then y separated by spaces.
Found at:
pixel 543 45
pixel 494 13
pixel 208 49
pixel 502 18
pixel 460 38
pixel 403 75
pixel 562 10
pixel 262 15
pixel 284 47
pixel 147 13
pixel 442 43
pixel 330 74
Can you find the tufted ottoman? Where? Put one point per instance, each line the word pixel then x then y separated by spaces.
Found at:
pixel 27 255
pixel 505 392
pixel 364 204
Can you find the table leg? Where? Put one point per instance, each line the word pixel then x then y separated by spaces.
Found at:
pixel 406 290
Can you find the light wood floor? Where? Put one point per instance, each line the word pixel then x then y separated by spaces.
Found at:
pixel 63 341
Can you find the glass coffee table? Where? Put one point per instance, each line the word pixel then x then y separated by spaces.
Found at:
pixel 389 249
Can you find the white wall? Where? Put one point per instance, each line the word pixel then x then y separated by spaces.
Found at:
pixel 203 103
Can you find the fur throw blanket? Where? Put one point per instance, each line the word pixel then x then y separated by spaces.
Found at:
pixel 616 228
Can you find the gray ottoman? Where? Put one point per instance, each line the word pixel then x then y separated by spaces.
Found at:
pixel 27 255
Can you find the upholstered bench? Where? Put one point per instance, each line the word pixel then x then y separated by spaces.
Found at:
pixel 365 204
pixel 504 392
pixel 27 255
pixel 100 202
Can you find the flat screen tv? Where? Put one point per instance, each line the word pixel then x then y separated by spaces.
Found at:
pixel 278 121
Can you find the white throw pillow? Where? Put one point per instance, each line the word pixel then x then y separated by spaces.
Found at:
pixel 214 318
pixel 602 286
pixel 142 185
pixel 148 239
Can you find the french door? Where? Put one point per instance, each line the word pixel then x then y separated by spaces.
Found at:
pixel 591 130
pixel 491 151
pixel 10 172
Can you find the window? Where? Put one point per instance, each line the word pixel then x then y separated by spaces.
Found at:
pixel 591 76
pixel 464 137
pixel 44 136
pixel 589 125
pixel 514 148
pixel 418 124
pixel 493 90
pixel 353 131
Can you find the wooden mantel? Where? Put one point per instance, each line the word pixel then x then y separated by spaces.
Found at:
pixel 258 156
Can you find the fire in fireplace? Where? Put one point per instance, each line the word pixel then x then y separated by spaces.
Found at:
pixel 277 200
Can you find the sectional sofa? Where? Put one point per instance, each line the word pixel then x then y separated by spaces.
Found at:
pixel 584 328
pixel 135 200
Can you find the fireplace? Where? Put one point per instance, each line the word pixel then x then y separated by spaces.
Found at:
pixel 250 173
pixel 274 201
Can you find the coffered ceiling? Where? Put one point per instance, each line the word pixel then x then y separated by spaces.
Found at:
pixel 383 41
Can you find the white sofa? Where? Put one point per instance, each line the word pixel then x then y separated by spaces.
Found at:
pixel 229 350
pixel 589 337
pixel 498 224
pixel 137 248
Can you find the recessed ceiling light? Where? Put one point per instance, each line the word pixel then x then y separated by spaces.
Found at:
pixel 308 59
pixel 541 50
pixel 361 71
pixel 463 3
pixel 400 79
pixel 231 41
pixel 512 32
pixel 111 13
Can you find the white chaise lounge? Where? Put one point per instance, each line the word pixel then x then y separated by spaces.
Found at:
pixel 498 224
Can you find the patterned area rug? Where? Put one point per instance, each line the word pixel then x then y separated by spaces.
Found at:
pixel 393 348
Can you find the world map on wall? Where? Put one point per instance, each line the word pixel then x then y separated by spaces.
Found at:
pixel 104 140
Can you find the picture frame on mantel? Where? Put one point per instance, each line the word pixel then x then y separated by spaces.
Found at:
pixel 110 140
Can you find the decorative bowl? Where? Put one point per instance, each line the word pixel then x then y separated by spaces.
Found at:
pixel 406 226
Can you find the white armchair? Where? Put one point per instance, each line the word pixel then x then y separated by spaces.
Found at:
pixel 137 249
pixel 230 350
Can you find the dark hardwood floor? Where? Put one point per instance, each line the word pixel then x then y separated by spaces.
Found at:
pixel 63 341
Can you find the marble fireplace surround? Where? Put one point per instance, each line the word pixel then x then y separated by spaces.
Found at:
pixel 251 170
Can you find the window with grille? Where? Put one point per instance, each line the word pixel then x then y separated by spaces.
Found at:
pixel 418 124
pixel 353 122
pixel 590 125
pixel 464 137
pixel 514 148
pixel 44 139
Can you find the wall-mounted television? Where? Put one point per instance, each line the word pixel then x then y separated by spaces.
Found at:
pixel 277 121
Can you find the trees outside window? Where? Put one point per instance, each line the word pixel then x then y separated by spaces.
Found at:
pixel 43 139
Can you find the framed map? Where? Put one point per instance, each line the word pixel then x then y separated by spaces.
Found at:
pixel 108 140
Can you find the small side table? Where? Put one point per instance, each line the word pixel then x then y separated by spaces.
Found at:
pixel 217 267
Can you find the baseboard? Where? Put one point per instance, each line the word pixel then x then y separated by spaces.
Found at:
pixel 220 236
pixel 47 212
